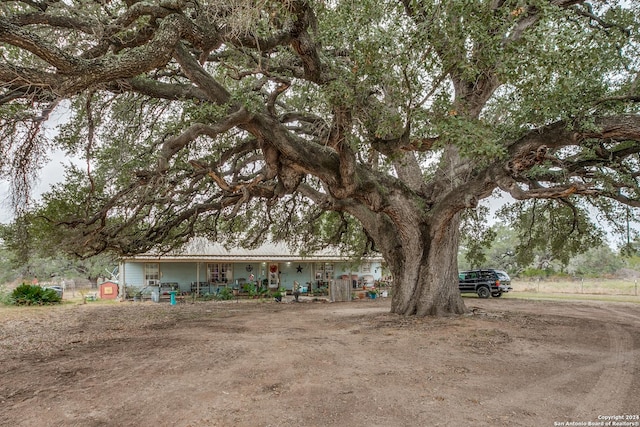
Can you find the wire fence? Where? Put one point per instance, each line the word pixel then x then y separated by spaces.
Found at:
pixel 594 286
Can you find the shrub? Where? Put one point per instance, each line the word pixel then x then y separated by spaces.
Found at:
pixel 206 297
pixel 225 294
pixel 34 295
pixel 531 273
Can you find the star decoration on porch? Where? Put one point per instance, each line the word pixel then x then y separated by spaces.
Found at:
pixel 299 269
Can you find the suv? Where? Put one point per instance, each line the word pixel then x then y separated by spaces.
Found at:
pixel 57 289
pixel 485 283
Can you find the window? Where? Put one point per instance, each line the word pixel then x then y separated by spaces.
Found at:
pixel 219 273
pixel 324 271
pixel 152 273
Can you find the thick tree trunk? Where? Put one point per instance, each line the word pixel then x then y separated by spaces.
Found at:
pixel 426 272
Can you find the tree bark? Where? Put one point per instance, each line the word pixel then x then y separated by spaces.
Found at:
pixel 426 277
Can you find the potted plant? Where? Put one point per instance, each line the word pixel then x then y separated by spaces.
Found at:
pixel 278 294
pixel 372 293
pixel 251 290
pixel 138 296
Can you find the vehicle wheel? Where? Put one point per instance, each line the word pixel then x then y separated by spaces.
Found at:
pixel 496 294
pixel 484 292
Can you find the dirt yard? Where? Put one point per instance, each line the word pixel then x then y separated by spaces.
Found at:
pixel 509 362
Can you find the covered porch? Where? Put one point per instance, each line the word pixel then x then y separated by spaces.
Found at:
pixel 209 268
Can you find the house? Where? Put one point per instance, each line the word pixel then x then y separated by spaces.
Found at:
pixel 204 267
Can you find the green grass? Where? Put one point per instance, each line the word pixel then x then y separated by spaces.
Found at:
pixel 608 290
pixel 611 290
pixel 587 286
pixel 572 297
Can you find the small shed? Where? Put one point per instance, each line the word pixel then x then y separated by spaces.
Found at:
pixel 109 290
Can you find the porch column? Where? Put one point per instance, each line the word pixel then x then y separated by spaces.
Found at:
pixel 197 278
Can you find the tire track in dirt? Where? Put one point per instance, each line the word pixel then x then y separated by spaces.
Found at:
pixel 553 385
pixel 599 387
pixel 615 379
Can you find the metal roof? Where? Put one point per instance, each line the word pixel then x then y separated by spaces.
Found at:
pixel 202 249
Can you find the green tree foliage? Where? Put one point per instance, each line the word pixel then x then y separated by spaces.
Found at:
pixel 630 251
pixel 497 249
pixel 550 230
pixel 17 251
pixel 373 123
pixel 476 237
pixel 593 259
pixel 28 253
pixel 597 261
pixel 502 252
pixel 632 262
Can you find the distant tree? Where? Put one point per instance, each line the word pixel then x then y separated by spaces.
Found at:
pixel 515 253
pixel 631 247
pixel 27 254
pixel 502 252
pixel 597 261
pixel 632 262
pixel 18 251
pixel 312 121
pixel 475 237
pixel 7 273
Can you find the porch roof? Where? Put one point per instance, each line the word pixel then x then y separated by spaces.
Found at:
pixel 201 250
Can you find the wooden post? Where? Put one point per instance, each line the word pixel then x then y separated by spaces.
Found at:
pixel 197 279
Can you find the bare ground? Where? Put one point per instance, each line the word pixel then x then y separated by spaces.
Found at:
pixel 510 362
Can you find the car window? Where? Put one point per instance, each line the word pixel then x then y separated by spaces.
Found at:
pixel 502 275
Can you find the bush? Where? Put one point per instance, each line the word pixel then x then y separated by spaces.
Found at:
pixel 225 294
pixel 532 273
pixel 34 295
pixel 206 297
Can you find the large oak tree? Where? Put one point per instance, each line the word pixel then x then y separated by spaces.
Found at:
pixel 296 119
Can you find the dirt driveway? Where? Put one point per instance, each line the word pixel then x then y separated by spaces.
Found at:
pixel 511 362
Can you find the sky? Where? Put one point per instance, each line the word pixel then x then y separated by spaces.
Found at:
pixel 51 173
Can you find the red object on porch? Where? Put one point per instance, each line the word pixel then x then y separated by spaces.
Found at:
pixel 108 290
